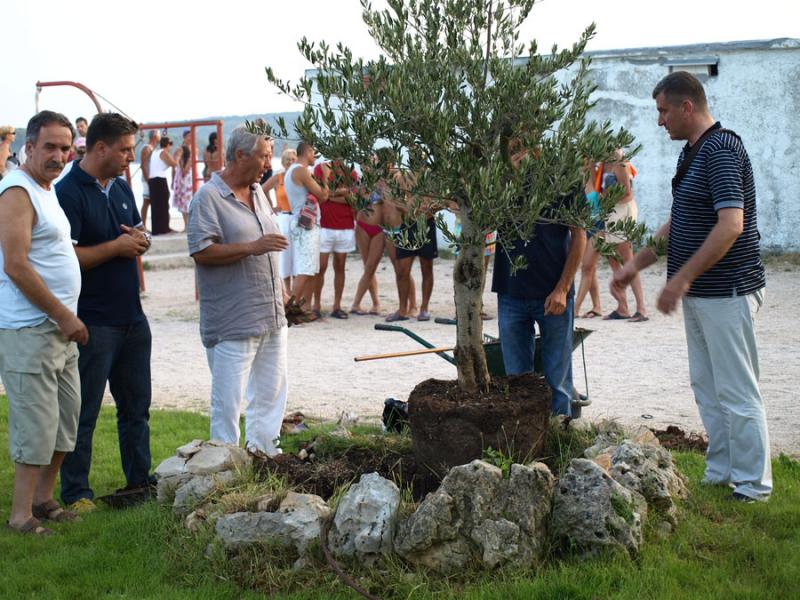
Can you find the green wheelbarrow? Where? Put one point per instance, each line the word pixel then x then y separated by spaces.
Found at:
pixel 494 357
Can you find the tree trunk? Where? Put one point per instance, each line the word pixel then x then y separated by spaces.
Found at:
pixel 473 374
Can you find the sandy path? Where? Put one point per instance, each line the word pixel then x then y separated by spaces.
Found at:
pixel 633 369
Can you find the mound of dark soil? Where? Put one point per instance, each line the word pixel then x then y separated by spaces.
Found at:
pixel 675 438
pixel 322 477
pixel 450 427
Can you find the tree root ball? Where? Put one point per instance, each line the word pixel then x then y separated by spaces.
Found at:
pixel 451 427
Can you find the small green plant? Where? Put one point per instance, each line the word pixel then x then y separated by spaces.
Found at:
pixel 563 443
pixel 622 508
pixel 498 459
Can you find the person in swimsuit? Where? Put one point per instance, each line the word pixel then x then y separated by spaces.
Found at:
pixel 212 157
pixel 607 175
pixel 371 243
pixel 392 212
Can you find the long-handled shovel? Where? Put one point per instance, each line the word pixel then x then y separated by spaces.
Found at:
pixel 398 354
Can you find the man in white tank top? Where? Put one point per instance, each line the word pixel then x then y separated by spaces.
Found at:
pixel 153 140
pixel 299 186
pixel 39 287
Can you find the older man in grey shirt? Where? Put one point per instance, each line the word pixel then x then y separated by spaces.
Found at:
pixel 234 239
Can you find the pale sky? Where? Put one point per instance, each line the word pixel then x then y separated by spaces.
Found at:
pixel 175 60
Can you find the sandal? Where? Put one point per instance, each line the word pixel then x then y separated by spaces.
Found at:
pixel 310 316
pixel 592 314
pixel 615 316
pixel 424 315
pixel 31 527
pixel 52 511
pixel 395 316
pixel 338 314
pixel 357 312
pixel 638 318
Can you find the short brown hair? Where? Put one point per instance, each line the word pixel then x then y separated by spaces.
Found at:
pixel 108 128
pixel 679 86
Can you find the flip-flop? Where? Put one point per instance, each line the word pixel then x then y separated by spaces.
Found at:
pixel 615 316
pixel 375 313
pixel 395 317
pixel 338 314
pixel 638 318
pixel 592 314
pixel 309 317
pixel 424 315
pixel 31 527
pixel 52 511
pixel 359 313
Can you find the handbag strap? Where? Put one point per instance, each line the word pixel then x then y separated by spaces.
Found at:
pixel 690 156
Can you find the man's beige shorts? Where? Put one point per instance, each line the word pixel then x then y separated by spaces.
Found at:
pixel 39 368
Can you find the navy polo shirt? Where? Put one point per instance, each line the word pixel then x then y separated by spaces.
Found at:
pixel 546 254
pixel 110 291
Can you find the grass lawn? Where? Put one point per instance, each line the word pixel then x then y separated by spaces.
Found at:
pixel 720 549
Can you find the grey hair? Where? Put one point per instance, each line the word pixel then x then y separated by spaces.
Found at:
pixel 153 134
pixel 241 139
pixel 43 119
pixel 288 155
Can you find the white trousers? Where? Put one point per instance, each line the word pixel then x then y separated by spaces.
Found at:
pixel 723 367
pixel 255 368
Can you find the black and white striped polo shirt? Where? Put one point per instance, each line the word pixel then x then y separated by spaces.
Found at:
pixel 719 177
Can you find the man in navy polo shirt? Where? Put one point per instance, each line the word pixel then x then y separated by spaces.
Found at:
pixel 108 236
pixel 542 294
pixel 714 267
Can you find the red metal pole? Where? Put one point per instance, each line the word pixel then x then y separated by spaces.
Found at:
pixel 193 138
pixel 221 143
pixel 80 86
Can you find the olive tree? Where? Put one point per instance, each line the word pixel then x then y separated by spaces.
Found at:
pixel 483 123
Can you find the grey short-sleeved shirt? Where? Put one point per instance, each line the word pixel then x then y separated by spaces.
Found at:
pixel 245 298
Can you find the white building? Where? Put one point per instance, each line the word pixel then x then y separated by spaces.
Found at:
pixel 753 88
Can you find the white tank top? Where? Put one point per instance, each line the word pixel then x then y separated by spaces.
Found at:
pixel 158 168
pixel 296 193
pixel 51 255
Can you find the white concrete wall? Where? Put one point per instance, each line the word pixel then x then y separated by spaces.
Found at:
pixel 756 94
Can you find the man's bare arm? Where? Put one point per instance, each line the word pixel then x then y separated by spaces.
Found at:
pixel 556 302
pixel 145 158
pixel 17 218
pixel 225 254
pixel 643 259
pixel 730 224
pixel 302 177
